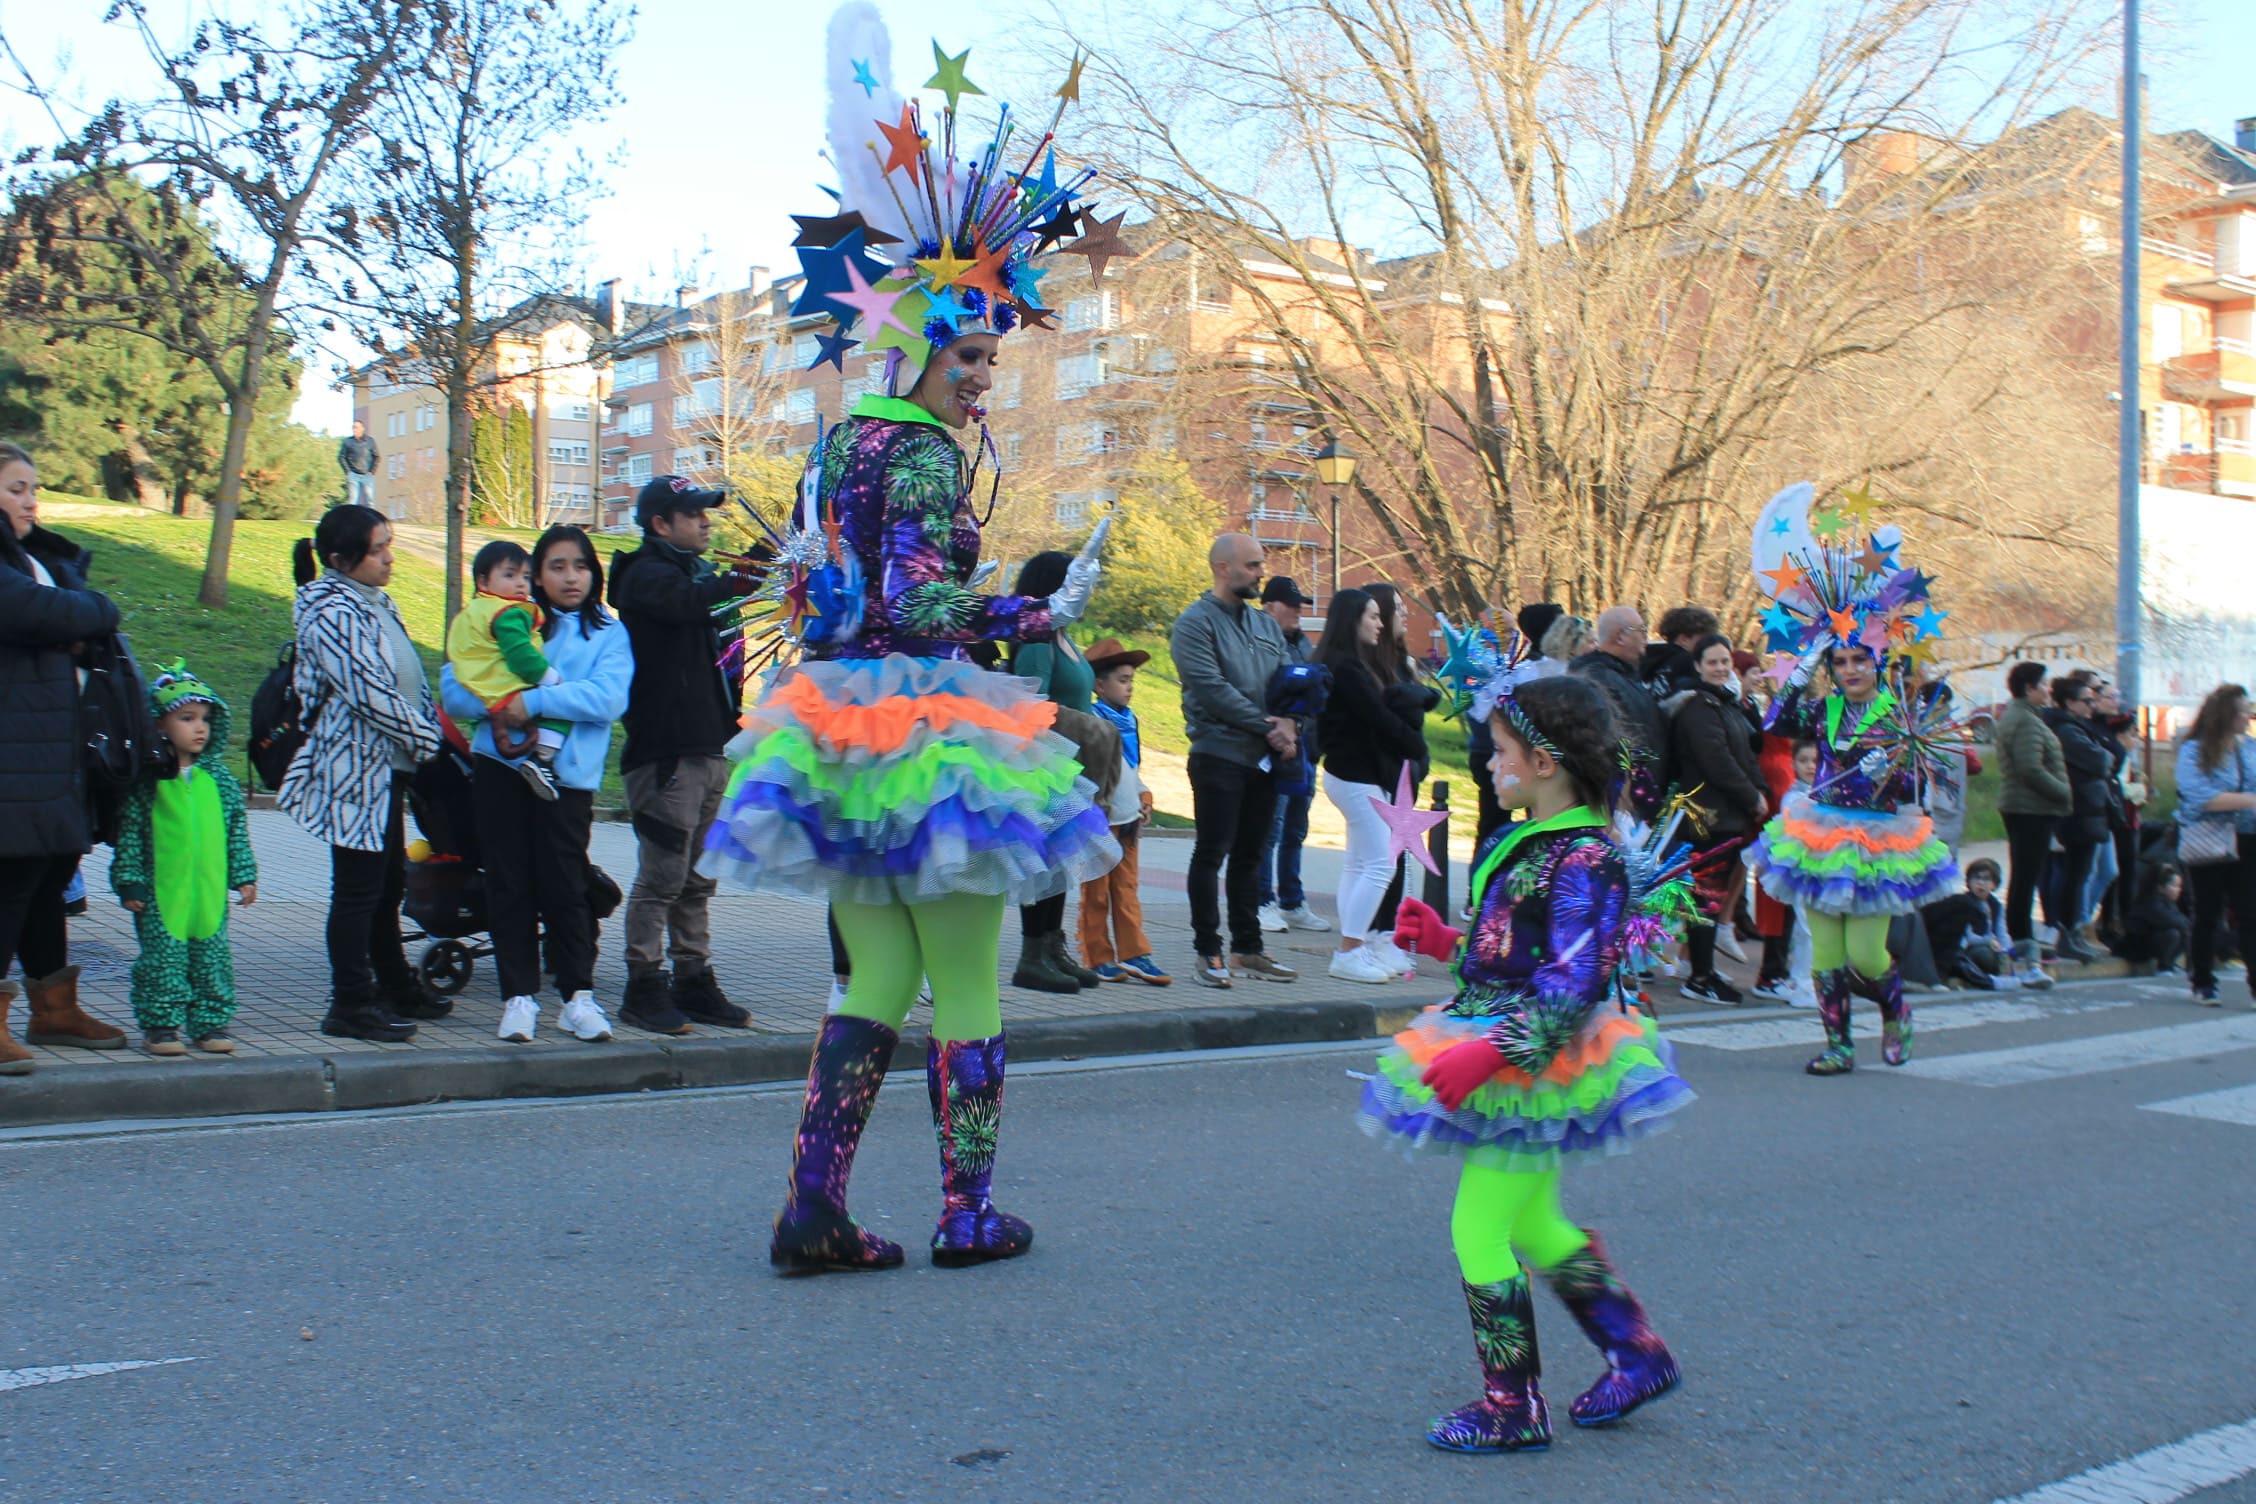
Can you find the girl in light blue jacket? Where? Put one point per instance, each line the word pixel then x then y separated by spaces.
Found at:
pixel 2217 778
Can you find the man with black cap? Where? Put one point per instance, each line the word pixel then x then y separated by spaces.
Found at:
pixel 681 711
pixel 1284 904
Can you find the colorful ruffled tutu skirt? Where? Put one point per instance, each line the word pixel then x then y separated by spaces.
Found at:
pixel 1851 861
pixel 1614 1082
pixel 897 779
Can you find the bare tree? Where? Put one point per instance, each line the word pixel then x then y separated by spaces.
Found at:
pixel 248 133
pixel 469 217
pixel 732 376
pixel 1659 259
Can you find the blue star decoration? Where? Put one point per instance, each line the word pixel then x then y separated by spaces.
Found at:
pixel 1930 622
pixel 865 78
pixel 825 268
pixel 1782 527
pixel 946 305
pixel 834 348
pixel 1044 188
pixel 1916 587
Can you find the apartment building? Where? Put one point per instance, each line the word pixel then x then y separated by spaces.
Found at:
pixel 2198 280
pixel 543 364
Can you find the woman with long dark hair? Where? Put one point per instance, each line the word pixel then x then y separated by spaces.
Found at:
pixel 1366 742
pixel 370 723
pixel 2217 781
pixel 46 610
pixel 1046 962
pixel 535 851
pixel 1410 699
pixel 1714 753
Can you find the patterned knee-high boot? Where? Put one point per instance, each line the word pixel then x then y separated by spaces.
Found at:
pixel 1510 1415
pixel 1887 993
pixel 1833 1011
pixel 1639 1366
pixel 813 1232
pixel 965 1079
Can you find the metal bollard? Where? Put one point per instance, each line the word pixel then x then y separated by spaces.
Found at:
pixel 1437 845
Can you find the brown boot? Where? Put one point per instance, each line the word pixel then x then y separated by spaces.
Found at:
pixel 15 1060
pixel 57 1019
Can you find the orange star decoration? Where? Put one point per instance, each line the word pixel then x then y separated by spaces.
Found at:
pixel 986 271
pixel 1101 244
pixel 1860 504
pixel 1787 578
pixel 906 145
pixel 946 269
pixel 1844 624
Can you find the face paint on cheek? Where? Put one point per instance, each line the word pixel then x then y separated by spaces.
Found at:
pixel 1508 781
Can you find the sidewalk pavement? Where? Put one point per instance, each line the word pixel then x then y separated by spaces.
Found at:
pixel 771 955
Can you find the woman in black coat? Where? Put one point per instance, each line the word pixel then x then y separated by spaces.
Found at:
pixel 1713 749
pixel 45 826
pixel 1367 738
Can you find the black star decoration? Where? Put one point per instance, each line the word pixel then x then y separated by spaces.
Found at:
pixel 1062 225
pixel 824 231
pixel 834 348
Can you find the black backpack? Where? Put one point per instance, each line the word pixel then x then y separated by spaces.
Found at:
pixel 279 723
pixel 123 750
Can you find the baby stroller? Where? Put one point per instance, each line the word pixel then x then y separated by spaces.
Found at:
pixel 446 885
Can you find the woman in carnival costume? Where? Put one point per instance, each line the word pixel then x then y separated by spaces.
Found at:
pixel 1530 1064
pixel 920 793
pixel 1854 849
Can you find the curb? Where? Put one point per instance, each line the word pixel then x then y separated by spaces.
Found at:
pixel 405 1077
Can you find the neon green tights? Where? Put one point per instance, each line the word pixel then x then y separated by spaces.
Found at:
pixel 1498 1210
pixel 951 942
pixel 1859 940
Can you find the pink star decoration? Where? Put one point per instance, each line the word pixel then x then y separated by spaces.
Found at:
pixel 869 302
pixel 1406 823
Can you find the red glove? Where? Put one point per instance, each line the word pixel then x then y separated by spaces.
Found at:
pixel 1458 1071
pixel 1418 928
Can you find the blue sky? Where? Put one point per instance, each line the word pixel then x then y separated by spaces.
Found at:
pixel 719 114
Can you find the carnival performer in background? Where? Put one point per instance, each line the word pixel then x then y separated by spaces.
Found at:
pixel 921 794
pixel 1532 1062
pixel 1854 848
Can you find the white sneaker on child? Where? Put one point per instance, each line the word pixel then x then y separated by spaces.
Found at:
pixel 1273 918
pixel 518 1017
pixel 583 1017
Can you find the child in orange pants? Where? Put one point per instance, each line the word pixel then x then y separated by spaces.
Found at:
pixel 1113 943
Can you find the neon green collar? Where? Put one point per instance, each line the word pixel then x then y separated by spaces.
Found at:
pixel 893 410
pixel 1581 817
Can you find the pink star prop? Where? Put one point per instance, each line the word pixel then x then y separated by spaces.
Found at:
pixel 873 305
pixel 1406 823
pixel 1781 668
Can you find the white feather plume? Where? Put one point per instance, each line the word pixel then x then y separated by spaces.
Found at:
pixel 858 34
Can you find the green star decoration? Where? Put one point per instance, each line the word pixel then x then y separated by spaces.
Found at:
pixel 1828 524
pixel 949 75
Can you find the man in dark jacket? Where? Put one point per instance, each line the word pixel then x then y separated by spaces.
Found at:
pixel 1614 666
pixel 681 711
pixel 1284 903
pixel 1667 664
pixel 357 457
pixel 2085 747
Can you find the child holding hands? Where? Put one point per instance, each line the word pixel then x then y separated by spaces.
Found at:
pixel 1529 1064
pixel 182 843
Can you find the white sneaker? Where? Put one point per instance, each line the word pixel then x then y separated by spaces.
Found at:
pixel 583 1018
pixel 1728 943
pixel 1358 965
pixel 1384 951
pixel 1273 918
pixel 1801 998
pixel 1306 918
pixel 837 996
pixel 518 1016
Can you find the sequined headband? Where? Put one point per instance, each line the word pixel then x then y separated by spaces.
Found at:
pixel 1496 699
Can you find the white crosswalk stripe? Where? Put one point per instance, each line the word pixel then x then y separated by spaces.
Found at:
pixel 2161 1476
pixel 2064 1058
pixel 63 1373
pixel 2235 1104
pixel 1803 1029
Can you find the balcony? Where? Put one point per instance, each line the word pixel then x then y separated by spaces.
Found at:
pixel 2217 375
pixel 2228 470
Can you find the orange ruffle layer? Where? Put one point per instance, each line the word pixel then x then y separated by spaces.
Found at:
pixel 887 725
pixel 1428 1035
pixel 1830 835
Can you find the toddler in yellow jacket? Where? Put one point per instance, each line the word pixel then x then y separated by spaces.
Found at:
pixel 494 646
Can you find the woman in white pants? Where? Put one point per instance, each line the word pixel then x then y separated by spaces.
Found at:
pixel 1365 744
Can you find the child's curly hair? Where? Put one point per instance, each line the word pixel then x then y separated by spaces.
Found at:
pixel 1577 720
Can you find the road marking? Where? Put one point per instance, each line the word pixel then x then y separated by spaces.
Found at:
pixel 2084 1057
pixel 61 1373
pixel 2183 1468
pixel 2235 1104
pixel 1803 1029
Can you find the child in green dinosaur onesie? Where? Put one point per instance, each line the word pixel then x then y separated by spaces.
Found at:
pixel 182 843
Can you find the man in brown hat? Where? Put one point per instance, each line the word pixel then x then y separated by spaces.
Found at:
pixel 1113 943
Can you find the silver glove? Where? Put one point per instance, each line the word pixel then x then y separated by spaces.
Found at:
pixel 1874 764
pixel 1071 602
pixel 982 572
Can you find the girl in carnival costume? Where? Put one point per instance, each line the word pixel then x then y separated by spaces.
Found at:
pixel 920 793
pixel 1530 1063
pixel 1854 848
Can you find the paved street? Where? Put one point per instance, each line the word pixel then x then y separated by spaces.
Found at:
pixel 2018 1260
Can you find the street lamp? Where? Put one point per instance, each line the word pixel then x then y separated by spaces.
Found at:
pixel 1335 467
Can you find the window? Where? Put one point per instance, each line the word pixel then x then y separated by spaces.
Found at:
pixel 1072 508
pixel 426 418
pixel 395 465
pixel 636 470
pixel 566 500
pixel 690 461
pixel 804 349
pixel 639 371
pixel 799 407
pixel 1011 447
pixel 571 412
pixel 697 357
pixel 1076 442
pixel 1099 311
pixel 567 452
pixel 395 425
pixel 685 411
pixel 1077 373
pixel 1007 388
pixel 638 418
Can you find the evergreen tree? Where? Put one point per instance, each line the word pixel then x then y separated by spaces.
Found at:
pixel 1155 561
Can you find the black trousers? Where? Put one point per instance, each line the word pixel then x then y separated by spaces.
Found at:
pixel 1233 804
pixel 2028 848
pixel 32 927
pixel 365 889
pixel 2064 891
pixel 1041 916
pixel 2215 888
pixel 536 861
